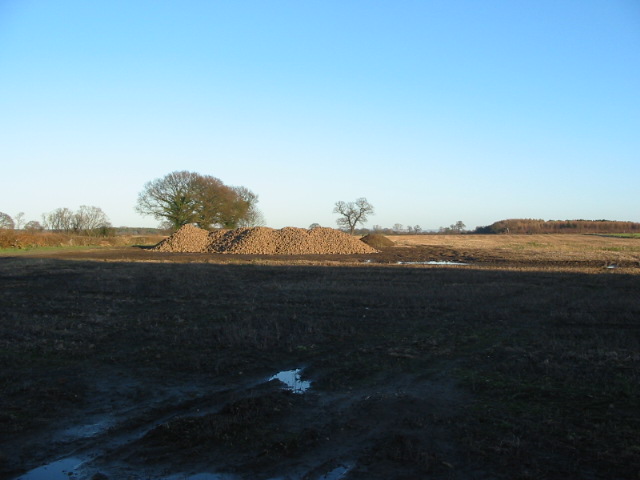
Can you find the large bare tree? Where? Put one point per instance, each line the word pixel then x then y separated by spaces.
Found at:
pixel 185 197
pixel 353 213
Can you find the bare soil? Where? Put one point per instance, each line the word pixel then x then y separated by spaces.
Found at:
pixel 145 365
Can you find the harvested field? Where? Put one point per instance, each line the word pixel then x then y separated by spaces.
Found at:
pixel 141 364
pixel 264 241
pixel 543 249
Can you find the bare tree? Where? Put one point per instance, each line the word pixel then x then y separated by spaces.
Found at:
pixel 417 229
pixel 33 226
pixel 61 220
pixel 90 220
pixel 166 225
pixel 87 220
pixel 353 213
pixel 314 225
pixel 6 222
pixel 19 220
pixel 253 217
pixel 458 227
pixel 398 228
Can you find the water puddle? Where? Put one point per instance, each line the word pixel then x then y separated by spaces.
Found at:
pixel 433 262
pixel 337 473
pixel 64 469
pixel 86 431
pixel 293 381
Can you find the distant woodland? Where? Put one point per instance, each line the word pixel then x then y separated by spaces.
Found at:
pixel 559 226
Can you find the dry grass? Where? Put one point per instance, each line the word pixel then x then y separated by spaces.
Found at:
pixel 531 247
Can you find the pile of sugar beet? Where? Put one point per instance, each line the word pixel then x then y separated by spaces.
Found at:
pixel 263 241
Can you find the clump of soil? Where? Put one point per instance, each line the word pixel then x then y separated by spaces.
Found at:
pixel 377 240
pixel 264 241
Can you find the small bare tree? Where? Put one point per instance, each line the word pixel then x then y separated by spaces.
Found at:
pixel 353 213
pixel 33 226
pixel 19 220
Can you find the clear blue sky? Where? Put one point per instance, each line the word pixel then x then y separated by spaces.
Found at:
pixel 436 111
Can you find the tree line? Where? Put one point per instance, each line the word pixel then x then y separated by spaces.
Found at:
pixel 177 199
pixel 531 226
pixel 87 220
pixel 184 197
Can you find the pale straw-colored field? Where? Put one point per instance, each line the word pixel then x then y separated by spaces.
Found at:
pixel 565 247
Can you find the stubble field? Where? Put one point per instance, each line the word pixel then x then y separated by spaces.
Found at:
pixel 128 363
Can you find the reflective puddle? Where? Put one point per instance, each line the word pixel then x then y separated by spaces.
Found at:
pixel 433 262
pixel 336 473
pixel 292 380
pixel 64 469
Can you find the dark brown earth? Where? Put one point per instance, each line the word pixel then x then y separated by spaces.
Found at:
pixel 147 365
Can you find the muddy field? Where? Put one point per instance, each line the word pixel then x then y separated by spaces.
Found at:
pixel 125 363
